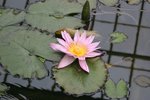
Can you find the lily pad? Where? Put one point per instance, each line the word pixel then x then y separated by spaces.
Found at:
pixel 118 37
pixel 52 15
pixel 76 81
pixel 52 24
pixel 19 51
pixel 109 2
pixel 10 16
pixel 50 7
pixel 118 90
pixel 3 89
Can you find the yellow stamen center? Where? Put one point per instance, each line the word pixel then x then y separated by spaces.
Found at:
pixel 77 49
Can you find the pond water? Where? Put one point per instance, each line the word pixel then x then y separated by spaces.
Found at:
pixel 130 59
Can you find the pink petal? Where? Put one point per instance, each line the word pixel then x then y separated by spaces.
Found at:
pixel 76 36
pixel 58 47
pixel 65 61
pixel 66 36
pixel 62 42
pixel 83 37
pixel 93 49
pixel 93 54
pixel 84 65
pixel 81 58
pixel 90 39
pixel 93 46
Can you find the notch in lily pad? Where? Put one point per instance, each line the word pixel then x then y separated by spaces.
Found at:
pixel 118 37
pixel 114 90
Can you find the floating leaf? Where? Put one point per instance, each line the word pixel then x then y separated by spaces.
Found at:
pixel 52 24
pixel 19 51
pixel 134 2
pixel 110 89
pixel 109 2
pixel 122 89
pixel 142 80
pixel 76 81
pixel 50 7
pixel 113 90
pixel 52 15
pixel 118 37
pixel 8 17
pixel 18 61
pixel 3 89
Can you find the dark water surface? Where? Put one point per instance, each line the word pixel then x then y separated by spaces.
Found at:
pixel 131 58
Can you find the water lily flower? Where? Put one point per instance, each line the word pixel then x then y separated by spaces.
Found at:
pixel 80 47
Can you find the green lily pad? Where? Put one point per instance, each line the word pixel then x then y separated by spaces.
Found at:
pixel 19 51
pixel 50 7
pixel 118 37
pixel 52 15
pixel 10 16
pixel 52 24
pixel 118 90
pixel 109 2
pixel 3 89
pixel 76 81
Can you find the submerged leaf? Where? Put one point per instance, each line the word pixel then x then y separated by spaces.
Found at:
pixel 19 50
pixel 118 90
pixel 118 37
pixel 109 2
pixel 76 81
pixel 134 2
pixel 142 80
pixel 8 17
